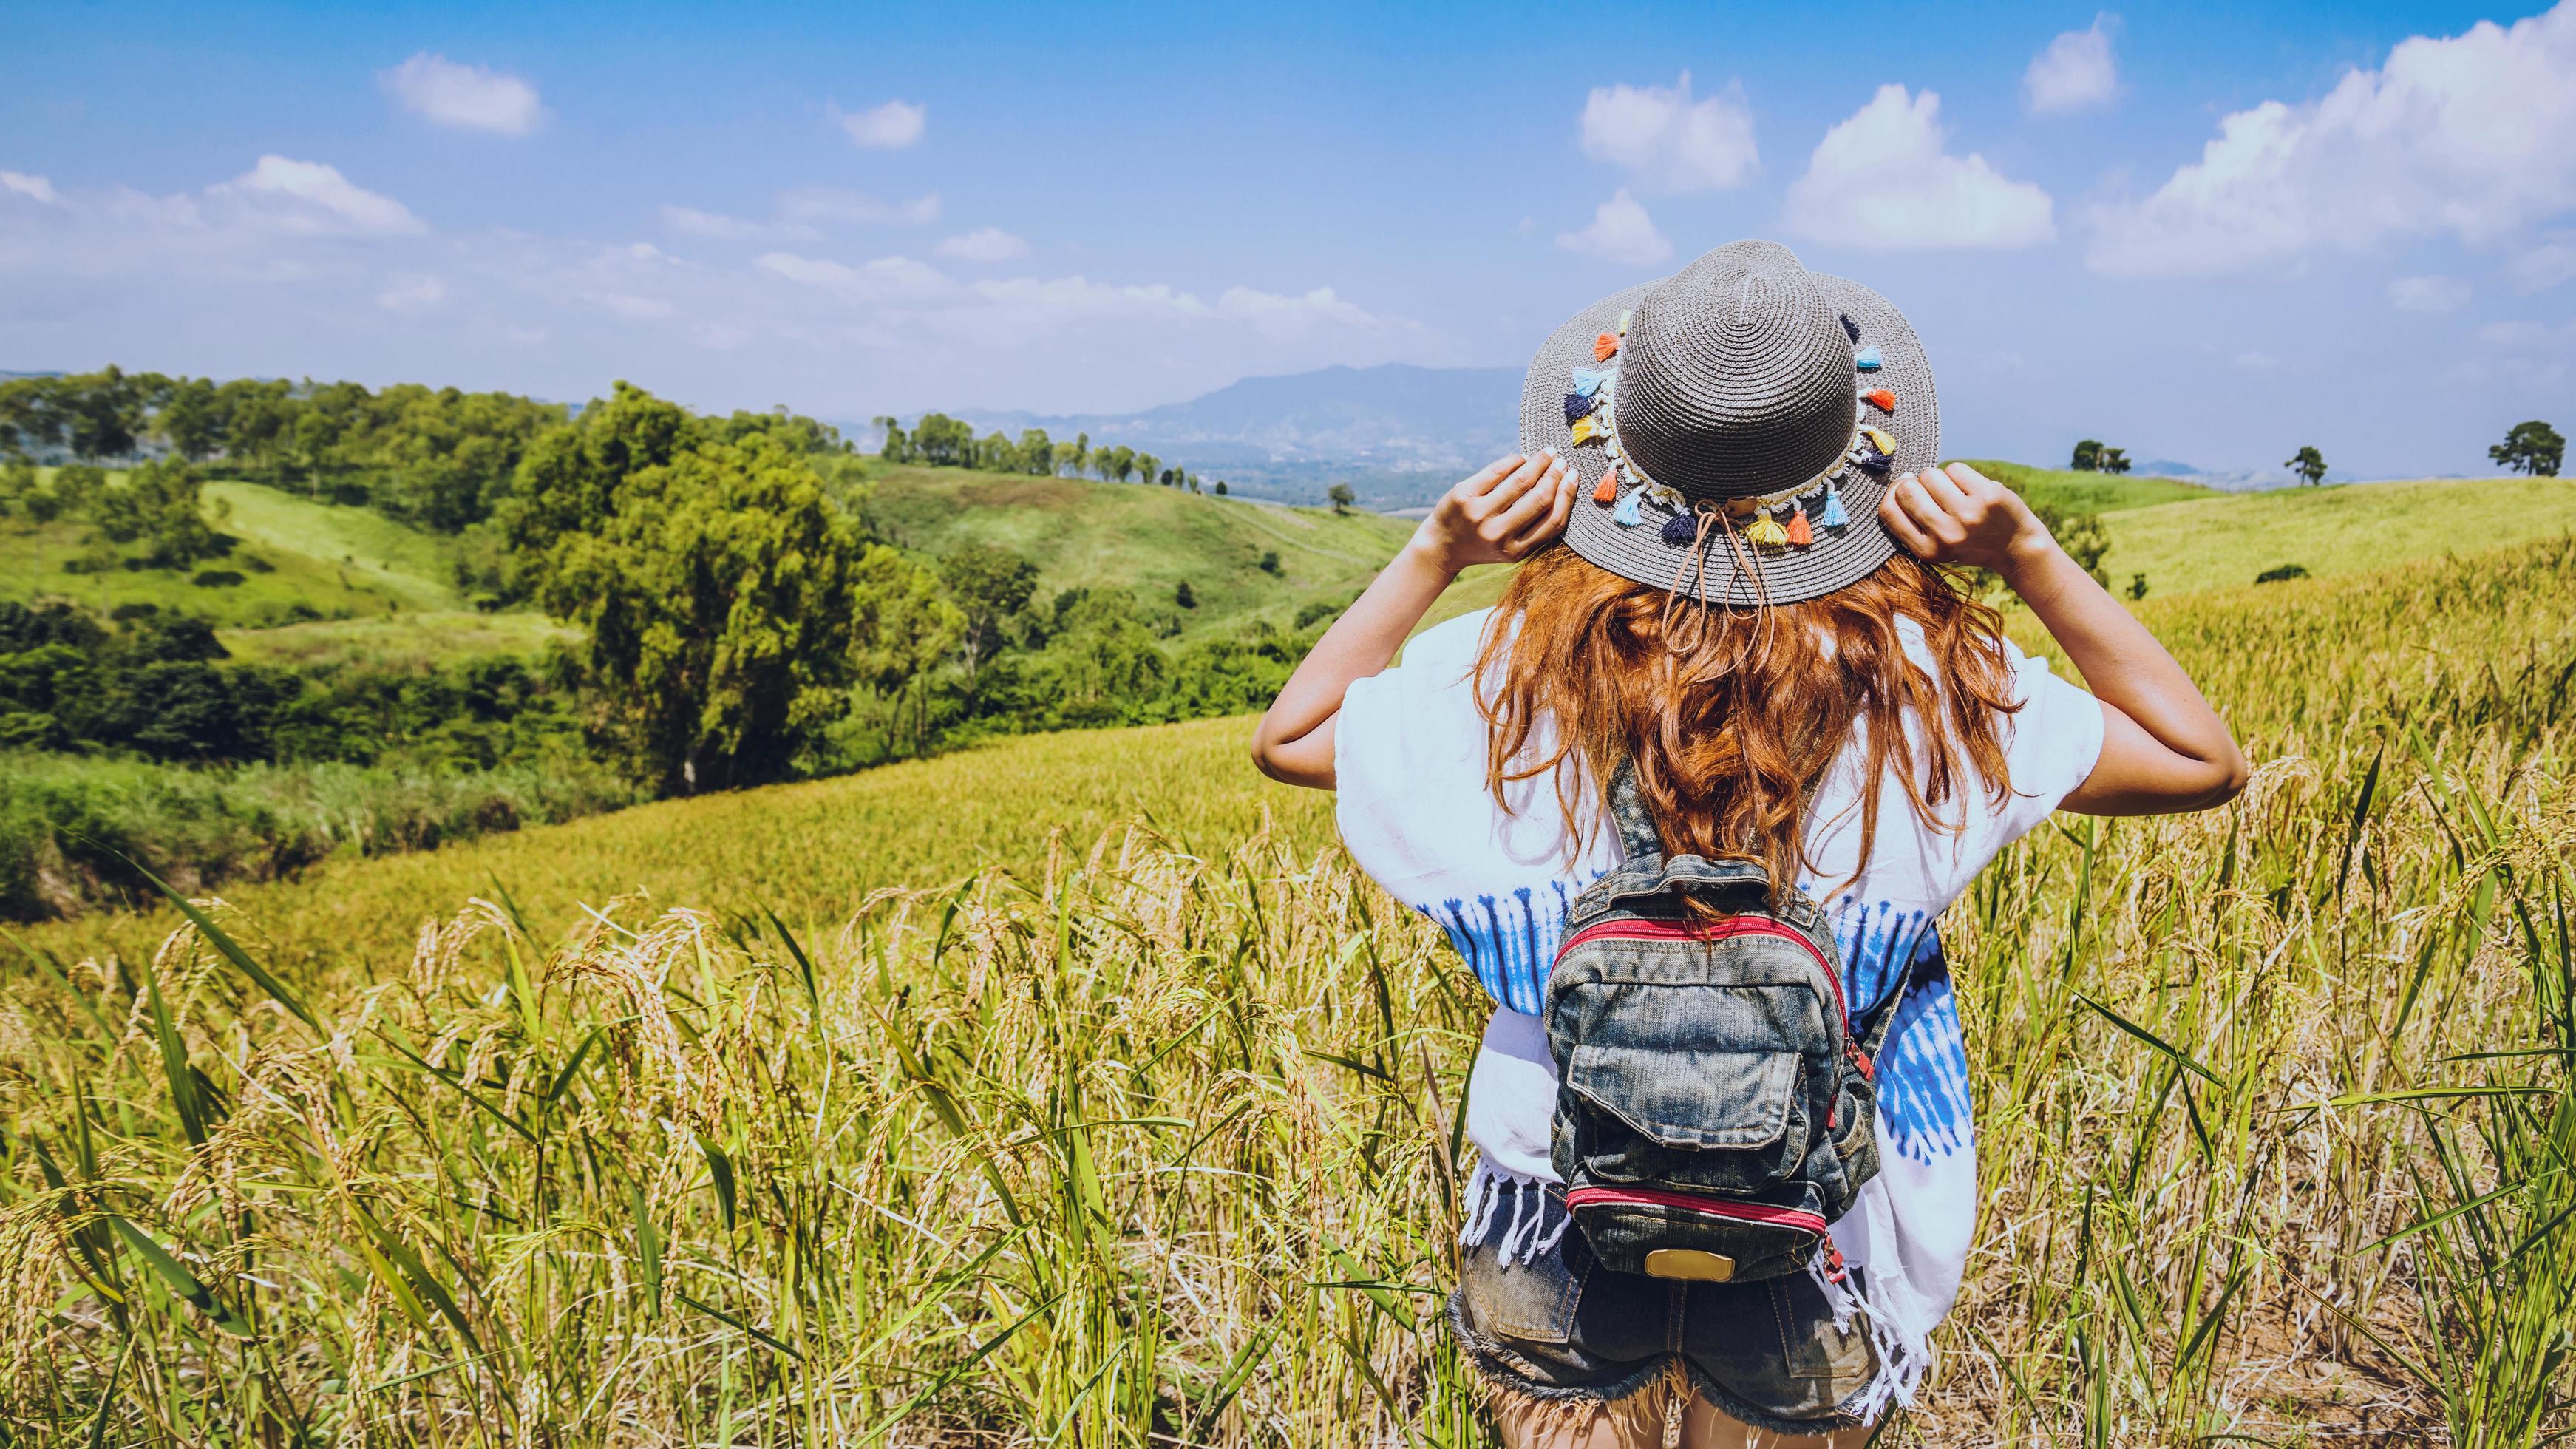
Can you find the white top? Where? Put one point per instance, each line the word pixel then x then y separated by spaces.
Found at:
pixel 1409 764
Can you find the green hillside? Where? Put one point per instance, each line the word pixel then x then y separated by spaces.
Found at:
pixel 1095 535
pixel 2073 492
pixel 296 558
pixel 2355 527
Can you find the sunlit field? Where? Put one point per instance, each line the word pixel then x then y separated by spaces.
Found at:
pixel 1155 1136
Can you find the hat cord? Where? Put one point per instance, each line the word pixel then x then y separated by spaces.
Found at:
pixel 1714 519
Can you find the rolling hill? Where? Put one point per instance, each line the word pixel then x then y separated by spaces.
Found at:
pixel 1083 534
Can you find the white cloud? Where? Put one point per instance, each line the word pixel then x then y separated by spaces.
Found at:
pixel 2464 136
pixel 311 196
pixel 2075 72
pixel 1015 310
pixel 889 127
pixel 801 214
pixel 1668 141
pixel 471 97
pixel 716 226
pixel 34 188
pixel 2428 294
pixel 984 244
pixel 885 279
pixel 1881 179
pixel 2546 265
pixel 412 293
pixel 1621 232
pixel 825 205
pixel 2518 335
pixel 2254 362
pixel 635 308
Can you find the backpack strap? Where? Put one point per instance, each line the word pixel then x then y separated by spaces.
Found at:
pixel 1637 838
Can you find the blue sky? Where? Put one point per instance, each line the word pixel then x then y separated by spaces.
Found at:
pixel 2208 233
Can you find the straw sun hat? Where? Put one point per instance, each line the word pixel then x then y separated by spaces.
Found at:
pixel 1734 426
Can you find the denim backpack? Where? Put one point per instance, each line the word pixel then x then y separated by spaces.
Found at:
pixel 1715 1108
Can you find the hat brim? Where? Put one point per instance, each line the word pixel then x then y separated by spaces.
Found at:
pixel 1840 556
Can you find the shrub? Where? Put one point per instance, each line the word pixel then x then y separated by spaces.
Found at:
pixel 2280 572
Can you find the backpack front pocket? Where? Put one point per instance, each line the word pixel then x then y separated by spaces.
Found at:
pixel 1732 1121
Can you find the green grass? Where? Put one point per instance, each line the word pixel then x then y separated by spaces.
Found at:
pixel 813 850
pixel 339 562
pixel 2074 492
pixel 1125 535
pixel 2352 528
pixel 408 640
pixel 412 566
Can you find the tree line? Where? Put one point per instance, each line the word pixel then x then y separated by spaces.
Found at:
pixel 940 441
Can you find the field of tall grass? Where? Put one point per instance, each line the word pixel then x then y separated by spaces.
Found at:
pixel 1156 1140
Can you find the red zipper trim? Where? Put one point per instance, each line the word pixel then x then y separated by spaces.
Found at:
pixel 1751 1212
pixel 1714 931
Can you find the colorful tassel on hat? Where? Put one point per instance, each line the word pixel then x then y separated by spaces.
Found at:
pixel 1868 360
pixel 1626 515
pixel 1607 490
pixel 1766 530
pixel 1680 530
pixel 1851 329
pixel 1623 322
pixel 1604 347
pixel 1871 462
pixel 1577 407
pixel 1586 429
pixel 1589 381
pixel 1881 439
pixel 1833 516
pixel 1881 399
pixel 1799 533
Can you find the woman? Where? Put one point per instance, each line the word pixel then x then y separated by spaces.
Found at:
pixel 1727 517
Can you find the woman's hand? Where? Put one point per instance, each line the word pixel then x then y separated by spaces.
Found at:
pixel 1958 515
pixel 2163 748
pixel 1499 514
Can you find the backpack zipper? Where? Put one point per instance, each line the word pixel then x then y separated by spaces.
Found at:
pixel 1750 1212
pixel 1748 925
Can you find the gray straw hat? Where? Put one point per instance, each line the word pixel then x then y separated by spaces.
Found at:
pixel 1734 426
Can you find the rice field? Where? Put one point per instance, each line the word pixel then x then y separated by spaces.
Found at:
pixel 1155 1138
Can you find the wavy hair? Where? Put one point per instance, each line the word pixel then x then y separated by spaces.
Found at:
pixel 1733 716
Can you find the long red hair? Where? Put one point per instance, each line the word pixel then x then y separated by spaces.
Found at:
pixel 1734 716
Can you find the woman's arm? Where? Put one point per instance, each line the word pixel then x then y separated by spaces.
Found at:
pixel 2163 748
pixel 1502 513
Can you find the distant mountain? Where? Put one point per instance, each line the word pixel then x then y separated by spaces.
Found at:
pixel 1397 434
pixel 2238 480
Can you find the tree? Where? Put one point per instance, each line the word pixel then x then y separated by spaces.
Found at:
pixel 1341 497
pixel 2533 447
pixel 2114 460
pixel 2088 456
pixel 1081 453
pixel 1183 597
pixel 714 580
pixel 192 421
pixel 990 585
pixel 903 625
pixel 105 412
pixel 1219 490
pixel 2308 464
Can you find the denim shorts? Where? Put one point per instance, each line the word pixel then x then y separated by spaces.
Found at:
pixel 1555 1324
